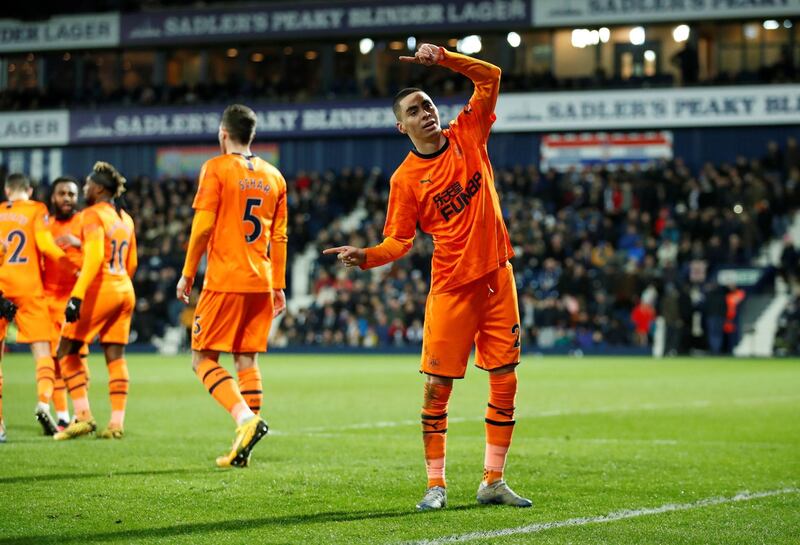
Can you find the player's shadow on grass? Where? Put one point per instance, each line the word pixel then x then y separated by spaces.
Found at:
pixel 228 526
pixel 99 475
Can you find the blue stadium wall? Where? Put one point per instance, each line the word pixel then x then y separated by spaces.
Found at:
pixel 696 146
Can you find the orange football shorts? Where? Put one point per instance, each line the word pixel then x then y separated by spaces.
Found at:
pixel 484 314
pixel 32 320
pixel 104 313
pixel 232 322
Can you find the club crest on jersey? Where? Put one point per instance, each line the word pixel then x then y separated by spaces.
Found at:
pixel 455 198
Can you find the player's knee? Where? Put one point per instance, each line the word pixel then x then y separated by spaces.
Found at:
pixel 244 361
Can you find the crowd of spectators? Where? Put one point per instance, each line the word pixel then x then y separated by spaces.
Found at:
pixel 599 253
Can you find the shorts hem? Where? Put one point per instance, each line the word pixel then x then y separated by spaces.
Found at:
pixel 482 368
pixel 423 371
pixel 230 350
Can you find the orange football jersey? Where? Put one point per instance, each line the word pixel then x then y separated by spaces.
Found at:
pixel 248 195
pixel 58 282
pixel 117 230
pixel 451 193
pixel 21 274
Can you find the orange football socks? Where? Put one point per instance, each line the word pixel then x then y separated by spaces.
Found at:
pixel 434 430
pixel 223 388
pixel 499 424
pixel 45 378
pixel 60 395
pixel 75 377
pixel 250 387
pixel 118 390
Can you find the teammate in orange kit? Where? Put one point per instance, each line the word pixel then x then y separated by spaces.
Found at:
pixel 240 216
pixel 101 302
pixel 65 226
pixel 446 184
pixel 7 312
pixel 24 231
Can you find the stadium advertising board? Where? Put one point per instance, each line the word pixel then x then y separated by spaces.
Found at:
pixel 191 124
pixel 653 109
pixel 334 18
pixel 519 112
pixel 20 130
pixel 594 12
pixel 90 30
pixel 565 151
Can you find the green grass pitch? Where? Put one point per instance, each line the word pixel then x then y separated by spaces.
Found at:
pixel 343 463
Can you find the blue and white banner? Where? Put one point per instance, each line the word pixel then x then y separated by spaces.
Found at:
pixel 650 108
pixel 85 31
pixel 202 123
pixel 574 13
pixel 337 18
pixel 655 109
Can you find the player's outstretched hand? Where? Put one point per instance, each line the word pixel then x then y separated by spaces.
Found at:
pixel 278 302
pixel 350 256
pixel 426 55
pixel 184 289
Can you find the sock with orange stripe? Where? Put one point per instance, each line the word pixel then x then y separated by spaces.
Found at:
pixel 434 430
pixel 75 378
pixel 250 387
pixel 223 388
pixel 118 390
pixel 60 395
pixel 499 424
pixel 45 379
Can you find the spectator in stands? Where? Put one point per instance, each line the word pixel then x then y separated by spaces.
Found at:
pixel 687 60
pixel 716 310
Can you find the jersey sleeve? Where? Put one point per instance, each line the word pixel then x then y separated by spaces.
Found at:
pixel 93 238
pixel 133 256
pixel 478 114
pixel 209 189
pixel 400 228
pixel 91 226
pixel 278 238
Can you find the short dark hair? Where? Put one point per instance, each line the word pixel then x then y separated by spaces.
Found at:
pixel 400 96
pixel 17 181
pixel 240 122
pixel 63 180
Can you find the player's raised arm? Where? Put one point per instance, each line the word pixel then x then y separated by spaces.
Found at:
pixel 485 76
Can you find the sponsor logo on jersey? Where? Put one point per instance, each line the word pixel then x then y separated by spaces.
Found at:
pixel 456 198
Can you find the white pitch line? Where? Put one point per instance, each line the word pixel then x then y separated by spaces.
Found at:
pixel 611 517
pixel 700 403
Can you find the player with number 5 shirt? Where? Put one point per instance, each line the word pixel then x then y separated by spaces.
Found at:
pixel 240 222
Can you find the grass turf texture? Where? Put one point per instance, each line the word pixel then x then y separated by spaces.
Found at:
pixel 343 463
